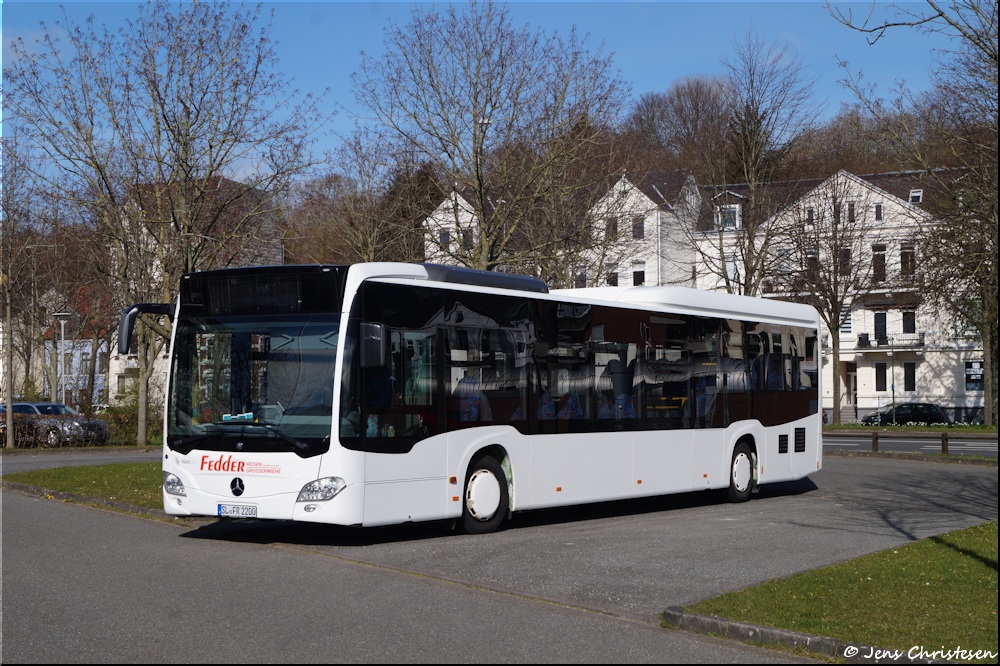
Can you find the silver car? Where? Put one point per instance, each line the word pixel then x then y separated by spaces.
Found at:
pixel 52 424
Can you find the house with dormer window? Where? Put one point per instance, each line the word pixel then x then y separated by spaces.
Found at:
pixel 850 245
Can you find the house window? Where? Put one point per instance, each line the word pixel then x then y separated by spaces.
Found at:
pixel 881 330
pixel 612 279
pixel 581 280
pixel 844 261
pixel 127 379
pixel 878 263
pixel 974 376
pixel 878 212
pixel 638 228
pixel 468 239
pixel 811 262
pixel 728 217
pixel 907 260
pixel 444 238
pixel 638 274
pixel 909 376
pixel 851 212
pixel 611 230
pixel 810 218
pixel 880 376
pixel 909 322
pixel 916 196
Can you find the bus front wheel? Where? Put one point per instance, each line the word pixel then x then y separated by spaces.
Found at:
pixel 741 473
pixel 486 496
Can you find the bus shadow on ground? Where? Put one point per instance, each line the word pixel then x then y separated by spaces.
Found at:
pixel 313 534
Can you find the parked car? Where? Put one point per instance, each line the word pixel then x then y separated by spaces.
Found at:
pixel 906 412
pixel 52 424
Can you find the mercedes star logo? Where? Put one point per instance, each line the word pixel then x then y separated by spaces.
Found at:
pixel 237 486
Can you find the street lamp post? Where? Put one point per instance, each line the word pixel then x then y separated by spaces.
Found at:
pixel 61 317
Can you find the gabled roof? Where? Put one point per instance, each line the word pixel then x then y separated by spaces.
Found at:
pixel 780 195
pixel 664 188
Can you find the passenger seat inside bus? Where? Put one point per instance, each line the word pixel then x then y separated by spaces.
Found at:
pixel 472 402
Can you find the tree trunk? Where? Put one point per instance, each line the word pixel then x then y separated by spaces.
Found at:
pixel 835 362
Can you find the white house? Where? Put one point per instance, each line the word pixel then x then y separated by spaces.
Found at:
pixel 894 345
pixel 638 231
pixel 649 216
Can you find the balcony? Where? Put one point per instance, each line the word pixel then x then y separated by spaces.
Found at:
pixel 888 343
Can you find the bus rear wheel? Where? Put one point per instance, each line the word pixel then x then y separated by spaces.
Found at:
pixel 741 473
pixel 486 496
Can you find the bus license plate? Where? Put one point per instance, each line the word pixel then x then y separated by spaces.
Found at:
pixel 237 511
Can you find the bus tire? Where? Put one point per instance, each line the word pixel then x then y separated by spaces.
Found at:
pixel 486 497
pixel 741 473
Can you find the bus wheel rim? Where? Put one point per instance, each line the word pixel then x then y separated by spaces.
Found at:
pixel 482 495
pixel 741 472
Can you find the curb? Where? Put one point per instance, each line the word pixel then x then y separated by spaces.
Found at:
pixel 952 459
pixel 675 617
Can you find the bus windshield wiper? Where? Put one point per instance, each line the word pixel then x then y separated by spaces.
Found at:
pixel 301 446
pixel 185 444
pixel 230 429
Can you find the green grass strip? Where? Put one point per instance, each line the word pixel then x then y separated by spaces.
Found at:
pixel 130 483
pixel 938 593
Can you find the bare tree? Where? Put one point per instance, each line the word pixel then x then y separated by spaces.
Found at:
pixel 953 125
pixel 771 105
pixel 500 113
pixel 687 124
pixel 369 207
pixel 172 135
pixel 852 140
pixel 16 228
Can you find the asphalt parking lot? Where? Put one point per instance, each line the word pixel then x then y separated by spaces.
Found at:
pixel 621 562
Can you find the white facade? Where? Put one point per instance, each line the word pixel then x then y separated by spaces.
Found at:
pixel 894 346
pixel 650 232
pixel 447 228
pixel 639 230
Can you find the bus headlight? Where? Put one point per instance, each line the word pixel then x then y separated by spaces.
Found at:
pixel 321 490
pixel 172 485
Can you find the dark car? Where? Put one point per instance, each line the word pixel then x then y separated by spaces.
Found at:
pixel 52 424
pixel 906 412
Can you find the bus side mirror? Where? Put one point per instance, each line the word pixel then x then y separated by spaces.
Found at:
pixel 126 324
pixel 373 345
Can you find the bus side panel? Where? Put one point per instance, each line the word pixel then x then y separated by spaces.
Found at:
pixel 665 461
pixel 792 451
pixel 404 487
pixel 579 468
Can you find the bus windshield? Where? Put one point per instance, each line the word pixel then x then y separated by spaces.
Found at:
pixel 253 384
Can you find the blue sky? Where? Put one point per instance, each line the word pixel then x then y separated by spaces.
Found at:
pixel 654 43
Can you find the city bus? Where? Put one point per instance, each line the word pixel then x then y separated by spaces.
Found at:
pixel 385 393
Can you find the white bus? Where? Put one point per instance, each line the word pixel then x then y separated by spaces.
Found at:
pixel 385 393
